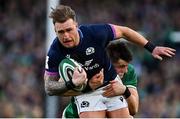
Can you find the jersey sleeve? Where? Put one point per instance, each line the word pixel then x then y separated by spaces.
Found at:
pixel 130 78
pixel 52 61
pixel 103 33
pixel 71 110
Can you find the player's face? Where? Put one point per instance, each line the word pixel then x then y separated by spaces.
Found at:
pixel 121 67
pixel 67 33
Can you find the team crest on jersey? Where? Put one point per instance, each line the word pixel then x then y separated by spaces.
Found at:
pixel 84 104
pixel 90 50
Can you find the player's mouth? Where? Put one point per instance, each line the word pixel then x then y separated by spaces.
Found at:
pixel 68 42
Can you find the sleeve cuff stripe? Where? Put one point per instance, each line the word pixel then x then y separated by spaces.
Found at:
pixel 114 32
pixel 51 73
pixel 131 86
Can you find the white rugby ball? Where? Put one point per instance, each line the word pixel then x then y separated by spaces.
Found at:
pixel 66 70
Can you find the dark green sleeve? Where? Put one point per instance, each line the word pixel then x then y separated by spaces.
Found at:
pixel 71 110
pixel 130 78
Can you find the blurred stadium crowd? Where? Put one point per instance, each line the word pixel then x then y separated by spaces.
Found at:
pixel 22 52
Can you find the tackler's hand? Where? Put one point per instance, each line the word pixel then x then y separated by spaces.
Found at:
pixel 97 80
pixel 158 52
pixel 115 88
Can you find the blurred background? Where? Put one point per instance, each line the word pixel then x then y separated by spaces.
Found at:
pixel 23 51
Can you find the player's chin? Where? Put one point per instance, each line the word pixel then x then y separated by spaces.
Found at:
pixel 120 75
pixel 68 45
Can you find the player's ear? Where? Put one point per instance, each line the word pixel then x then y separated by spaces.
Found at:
pixel 76 23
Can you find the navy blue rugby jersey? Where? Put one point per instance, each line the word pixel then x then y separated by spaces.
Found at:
pixel 90 53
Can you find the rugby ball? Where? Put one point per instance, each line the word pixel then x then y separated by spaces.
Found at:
pixel 66 70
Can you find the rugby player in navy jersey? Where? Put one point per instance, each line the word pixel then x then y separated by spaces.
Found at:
pixel 121 57
pixel 86 44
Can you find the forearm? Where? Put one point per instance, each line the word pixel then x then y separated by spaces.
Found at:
pixel 132 105
pixel 71 93
pixel 133 101
pixel 55 87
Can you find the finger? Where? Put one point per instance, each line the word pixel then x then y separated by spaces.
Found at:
pixel 101 73
pixel 95 79
pixel 113 81
pixel 76 70
pixel 107 87
pixel 100 79
pixel 167 54
pixel 98 75
pixel 171 49
pixel 170 52
pixel 102 70
pixel 107 94
pixel 79 69
pixel 158 57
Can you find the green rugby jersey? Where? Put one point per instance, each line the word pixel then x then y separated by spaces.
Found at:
pixel 129 79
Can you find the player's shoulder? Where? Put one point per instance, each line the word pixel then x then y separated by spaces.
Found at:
pixel 92 26
pixel 131 72
pixel 130 78
pixel 131 68
pixel 54 48
pixel 55 43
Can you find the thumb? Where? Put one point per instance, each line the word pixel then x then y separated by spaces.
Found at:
pixel 158 57
pixel 102 70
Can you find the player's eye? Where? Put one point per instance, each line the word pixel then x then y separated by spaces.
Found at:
pixel 61 32
pixel 69 29
pixel 121 66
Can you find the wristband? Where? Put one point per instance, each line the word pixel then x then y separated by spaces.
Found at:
pixel 149 46
pixel 127 93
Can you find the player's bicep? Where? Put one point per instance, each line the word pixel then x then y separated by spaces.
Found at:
pixel 118 31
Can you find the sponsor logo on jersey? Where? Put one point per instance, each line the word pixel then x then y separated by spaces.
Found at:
pixel 121 98
pixel 88 62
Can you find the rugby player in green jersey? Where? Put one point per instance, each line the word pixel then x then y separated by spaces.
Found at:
pixel 120 57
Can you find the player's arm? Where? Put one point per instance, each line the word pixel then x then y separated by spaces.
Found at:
pixel 53 86
pixel 56 86
pixel 97 80
pixel 130 94
pixel 129 34
pixel 135 37
pixel 133 101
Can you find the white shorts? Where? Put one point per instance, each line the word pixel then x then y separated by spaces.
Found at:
pixel 94 101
